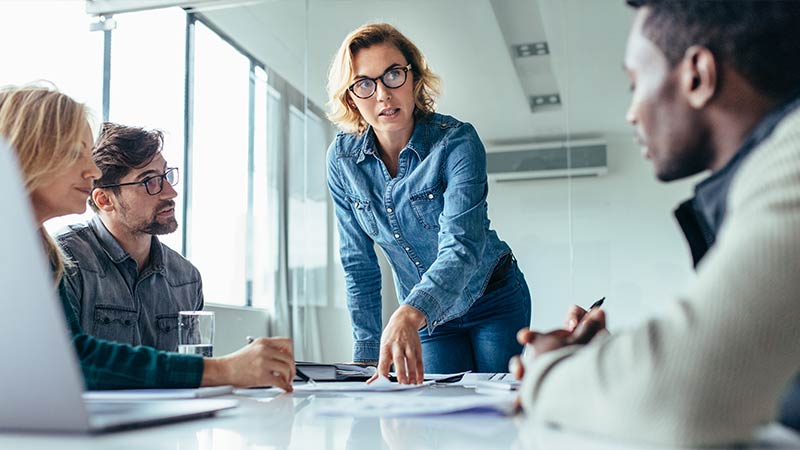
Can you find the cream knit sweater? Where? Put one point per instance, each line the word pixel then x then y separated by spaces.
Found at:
pixel 712 366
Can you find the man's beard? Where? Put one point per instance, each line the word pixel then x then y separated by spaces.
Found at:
pixel 157 228
pixel 153 226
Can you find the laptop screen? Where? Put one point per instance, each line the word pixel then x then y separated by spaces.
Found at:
pixel 41 384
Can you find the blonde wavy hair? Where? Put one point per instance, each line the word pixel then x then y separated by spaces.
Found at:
pixel 427 85
pixel 44 128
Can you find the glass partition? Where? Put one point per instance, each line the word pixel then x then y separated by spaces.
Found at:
pixel 540 80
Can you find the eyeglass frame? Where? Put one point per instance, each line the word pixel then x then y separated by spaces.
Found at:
pixel 405 70
pixel 144 181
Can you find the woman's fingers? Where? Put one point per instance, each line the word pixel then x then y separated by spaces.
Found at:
pixel 384 363
pixel 400 365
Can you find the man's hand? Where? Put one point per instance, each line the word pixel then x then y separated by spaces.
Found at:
pixel 588 325
pixel 400 345
pixel 264 362
pixel 574 317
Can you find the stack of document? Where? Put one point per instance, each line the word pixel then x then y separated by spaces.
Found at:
pixel 335 372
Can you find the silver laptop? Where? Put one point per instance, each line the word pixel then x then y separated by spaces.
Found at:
pixel 41 384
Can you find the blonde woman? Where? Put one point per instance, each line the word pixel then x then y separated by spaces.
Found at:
pixel 50 134
pixel 414 182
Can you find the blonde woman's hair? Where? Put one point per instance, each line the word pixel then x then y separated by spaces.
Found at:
pixel 426 84
pixel 44 128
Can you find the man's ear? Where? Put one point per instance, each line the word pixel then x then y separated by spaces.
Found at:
pixel 699 76
pixel 102 200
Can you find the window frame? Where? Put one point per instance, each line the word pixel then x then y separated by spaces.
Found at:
pixel 289 97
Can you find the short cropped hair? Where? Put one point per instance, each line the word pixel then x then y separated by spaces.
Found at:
pixel 759 39
pixel 426 84
pixel 121 149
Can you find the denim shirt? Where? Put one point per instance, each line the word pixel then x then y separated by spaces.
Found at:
pixel 430 220
pixel 115 302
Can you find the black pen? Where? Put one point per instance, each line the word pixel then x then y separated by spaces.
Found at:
pixel 297 370
pixel 597 304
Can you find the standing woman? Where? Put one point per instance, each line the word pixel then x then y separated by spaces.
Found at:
pixel 414 182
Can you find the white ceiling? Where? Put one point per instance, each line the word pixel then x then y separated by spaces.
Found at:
pixel 467 43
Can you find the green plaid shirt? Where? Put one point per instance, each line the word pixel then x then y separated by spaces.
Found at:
pixel 112 365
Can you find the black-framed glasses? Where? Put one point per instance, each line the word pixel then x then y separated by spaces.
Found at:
pixel 392 79
pixel 154 185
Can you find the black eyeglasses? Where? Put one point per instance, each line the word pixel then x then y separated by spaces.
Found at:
pixel 392 79
pixel 154 184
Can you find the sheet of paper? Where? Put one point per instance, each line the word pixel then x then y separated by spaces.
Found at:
pixel 405 406
pixel 471 379
pixel 157 394
pixel 379 385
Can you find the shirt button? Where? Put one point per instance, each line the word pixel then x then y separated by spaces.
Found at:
pixel 417 263
pixel 430 196
pixel 408 248
pixel 389 210
pixel 397 236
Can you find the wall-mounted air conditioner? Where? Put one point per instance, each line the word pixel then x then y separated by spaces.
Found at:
pixel 547 160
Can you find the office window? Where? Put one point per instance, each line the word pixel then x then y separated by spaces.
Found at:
pixel 147 84
pixel 266 192
pixel 307 208
pixel 50 40
pixel 216 238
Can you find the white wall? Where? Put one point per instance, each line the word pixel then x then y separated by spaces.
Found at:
pixel 627 245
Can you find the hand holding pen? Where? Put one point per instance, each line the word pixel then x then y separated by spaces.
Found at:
pixel 298 372
pixel 576 314
pixel 581 327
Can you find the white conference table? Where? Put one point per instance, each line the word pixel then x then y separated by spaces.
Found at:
pixel 269 420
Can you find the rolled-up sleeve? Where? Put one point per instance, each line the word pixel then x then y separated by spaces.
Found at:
pixel 361 270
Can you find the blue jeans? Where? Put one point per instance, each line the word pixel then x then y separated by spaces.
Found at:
pixel 484 339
